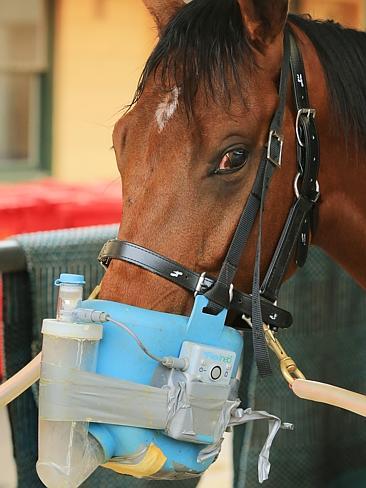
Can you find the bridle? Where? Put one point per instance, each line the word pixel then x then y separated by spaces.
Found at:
pixel 261 306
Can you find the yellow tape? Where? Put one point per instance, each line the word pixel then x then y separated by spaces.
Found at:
pixel 152 462
pixel 154 458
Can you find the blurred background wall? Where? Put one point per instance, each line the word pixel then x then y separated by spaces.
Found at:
pixel 100 49
pixel 68 67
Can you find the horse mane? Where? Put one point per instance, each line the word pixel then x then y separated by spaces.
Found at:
pixel 342 53
pixel 206 43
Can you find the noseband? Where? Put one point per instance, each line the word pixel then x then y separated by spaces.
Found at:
pixel 261 306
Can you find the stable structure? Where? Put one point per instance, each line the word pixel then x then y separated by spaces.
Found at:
pixel 68 68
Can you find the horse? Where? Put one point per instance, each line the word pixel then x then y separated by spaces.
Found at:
pixel 234 46
pixel 190 145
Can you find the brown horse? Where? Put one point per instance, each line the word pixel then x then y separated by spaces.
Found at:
pixel 189 147
pixel 174 201
pixel 208 93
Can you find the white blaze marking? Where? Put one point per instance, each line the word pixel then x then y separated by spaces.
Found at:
pixel 167 108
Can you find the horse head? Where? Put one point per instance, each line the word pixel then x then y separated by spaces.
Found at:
pixel 189 147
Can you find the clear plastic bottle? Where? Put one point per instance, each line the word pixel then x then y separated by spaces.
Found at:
pixel 70 295
pixel 67 453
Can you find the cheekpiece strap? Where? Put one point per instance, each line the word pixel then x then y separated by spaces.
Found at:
pixel 295 236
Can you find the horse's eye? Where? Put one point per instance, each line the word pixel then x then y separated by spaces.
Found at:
pixel 232 161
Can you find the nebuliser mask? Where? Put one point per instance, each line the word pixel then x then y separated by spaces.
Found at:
pixel 144 393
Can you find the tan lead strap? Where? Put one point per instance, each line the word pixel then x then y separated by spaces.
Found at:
pixel 332 395
pixel 313 390
pixel 94 294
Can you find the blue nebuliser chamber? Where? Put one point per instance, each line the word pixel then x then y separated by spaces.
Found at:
pixel 145 393
pixel 119 357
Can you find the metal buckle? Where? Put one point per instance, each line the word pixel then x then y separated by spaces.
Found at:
pixel 307 112
pixel 288 367
pixel 247 319
pixel 275 156
pixel 296 188
pixel 200 282
pixel 104 262
pixel 231 293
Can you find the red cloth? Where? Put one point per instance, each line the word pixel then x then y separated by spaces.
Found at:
pixel 1 332
pixel 49 205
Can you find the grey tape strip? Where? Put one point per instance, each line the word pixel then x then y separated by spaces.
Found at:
pixel 274 424
pixel 83 396
pixel 73 395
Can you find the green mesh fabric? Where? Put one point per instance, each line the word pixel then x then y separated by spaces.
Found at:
pixel 62 251
pixel 327 449
pixel 30 297
pixel 17 348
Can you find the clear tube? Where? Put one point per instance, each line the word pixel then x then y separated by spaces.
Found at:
pixel 22 380
pixel 67 454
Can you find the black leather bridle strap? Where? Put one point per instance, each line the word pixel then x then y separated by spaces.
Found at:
pixel 295 233
pixel 271 159
pixel 241 303
pixel 219 294
pixel 284 250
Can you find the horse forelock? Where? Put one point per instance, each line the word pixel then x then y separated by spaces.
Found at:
pixel 205 46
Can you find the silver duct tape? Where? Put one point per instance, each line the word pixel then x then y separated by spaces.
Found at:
pixel 185 410
pixel 274 424
pixel 196 408
pixel 74 395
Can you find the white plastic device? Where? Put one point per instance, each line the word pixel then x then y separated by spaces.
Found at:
pixel 208 364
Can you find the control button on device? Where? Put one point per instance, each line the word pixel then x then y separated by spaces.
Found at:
pixel 215 372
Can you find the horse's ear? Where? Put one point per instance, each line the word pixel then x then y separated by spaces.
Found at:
pixel 264 19
pixel 163 10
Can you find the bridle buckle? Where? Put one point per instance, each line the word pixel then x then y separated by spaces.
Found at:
pixel 316 195
pixel 274 148
pixel 200 282
pixel 303 111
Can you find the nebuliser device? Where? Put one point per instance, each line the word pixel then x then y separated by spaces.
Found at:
pixel 145 393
